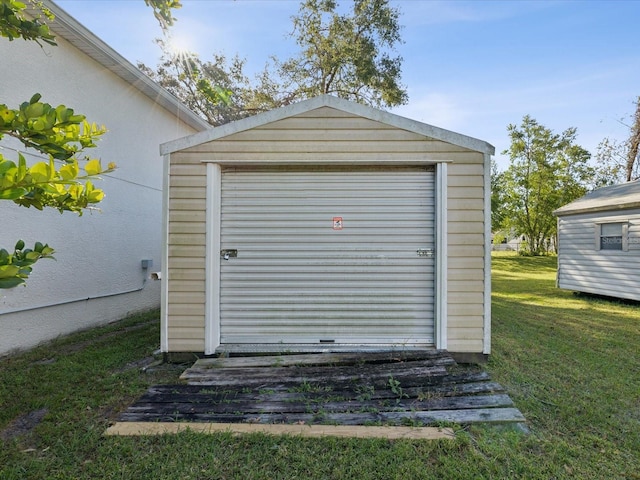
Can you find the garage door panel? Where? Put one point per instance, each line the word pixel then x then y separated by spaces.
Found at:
pixel 297 279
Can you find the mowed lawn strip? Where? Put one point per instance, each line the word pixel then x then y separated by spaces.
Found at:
pixel 570 364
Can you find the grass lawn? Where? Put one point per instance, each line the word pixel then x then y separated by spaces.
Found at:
pixel 570 363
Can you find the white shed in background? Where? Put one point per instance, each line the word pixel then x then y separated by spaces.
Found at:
pixel 599 242
pixel 326 225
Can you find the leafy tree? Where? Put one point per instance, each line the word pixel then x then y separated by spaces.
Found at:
pixel 348 55
pixel 61 135
pixel 162 10
pixel 14 24
pixel 546 171
pixel 619 162
pixel 58 133
pixel 206 87
pixel 497 197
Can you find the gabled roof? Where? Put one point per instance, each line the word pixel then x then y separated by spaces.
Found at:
pixel 615 197
pixel 338 104
pixel 65 26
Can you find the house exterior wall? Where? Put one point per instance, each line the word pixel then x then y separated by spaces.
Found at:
pixel 100 253
pixel 583 267
pixel 330 137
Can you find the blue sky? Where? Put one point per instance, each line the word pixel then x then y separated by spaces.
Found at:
pixel 469 66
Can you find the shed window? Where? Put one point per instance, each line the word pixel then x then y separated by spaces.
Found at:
pixel 612 236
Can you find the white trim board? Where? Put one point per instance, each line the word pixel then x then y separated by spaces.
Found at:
pixel 212 259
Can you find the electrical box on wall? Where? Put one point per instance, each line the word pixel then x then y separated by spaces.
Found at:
pixel 146 264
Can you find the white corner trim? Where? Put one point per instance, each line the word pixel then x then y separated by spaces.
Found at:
pixel 212 259
pixel 164 286
pixel 441 257
pixel 487 255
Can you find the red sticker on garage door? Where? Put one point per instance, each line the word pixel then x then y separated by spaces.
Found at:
pixel 337 223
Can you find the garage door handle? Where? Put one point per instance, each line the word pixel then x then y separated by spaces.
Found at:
pixel 227 253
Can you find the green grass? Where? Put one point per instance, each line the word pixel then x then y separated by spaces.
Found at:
pixel 570 363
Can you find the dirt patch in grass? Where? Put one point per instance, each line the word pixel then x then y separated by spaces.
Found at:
pixel 23 424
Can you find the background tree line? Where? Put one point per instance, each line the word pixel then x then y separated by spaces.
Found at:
pixel 548 170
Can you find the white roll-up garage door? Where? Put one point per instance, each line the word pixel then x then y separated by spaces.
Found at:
pixel 327 256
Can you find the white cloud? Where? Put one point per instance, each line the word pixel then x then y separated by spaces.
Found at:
pixel 435 108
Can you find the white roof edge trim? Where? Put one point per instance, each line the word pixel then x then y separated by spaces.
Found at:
pixel 334 102
pixel 621 196
pixel 302 162
pixel 67 27
pixel 614 207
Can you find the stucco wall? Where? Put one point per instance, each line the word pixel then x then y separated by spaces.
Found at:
pixel 100 253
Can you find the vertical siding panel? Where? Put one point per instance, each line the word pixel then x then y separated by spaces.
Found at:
pixel 467 254
pixel 185 269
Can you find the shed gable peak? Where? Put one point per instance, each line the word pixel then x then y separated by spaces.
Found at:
pixel 340 108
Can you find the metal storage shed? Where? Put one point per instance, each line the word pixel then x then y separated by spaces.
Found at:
pixel 599 242
pixel 326 225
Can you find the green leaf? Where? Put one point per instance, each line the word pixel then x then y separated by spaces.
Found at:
pixel 6 115
pixel 69 171
pixel 34 110
pixel 40 172
pixel 32 256
pixel 93 167
pixel 7 271
pixel 19 245
pixel 12 193
pixel 10 282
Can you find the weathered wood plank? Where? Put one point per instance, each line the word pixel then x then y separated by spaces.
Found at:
pixel 409 377
pixel 420 387
pixel 382 369
pixel 317 359
pixel 354 431
pixel 479 415
pixel 354 405
pixel 198 394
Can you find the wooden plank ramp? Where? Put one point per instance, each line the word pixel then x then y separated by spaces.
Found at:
pixel 384 389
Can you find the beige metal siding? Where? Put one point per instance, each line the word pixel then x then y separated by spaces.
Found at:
pixel 326 136
pixel 466 254
pixel 298 280
pixel 584 268
pixel 186 268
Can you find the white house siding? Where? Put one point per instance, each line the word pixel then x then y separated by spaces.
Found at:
pixel 100 253
pixel 584 268
pixel 325 136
